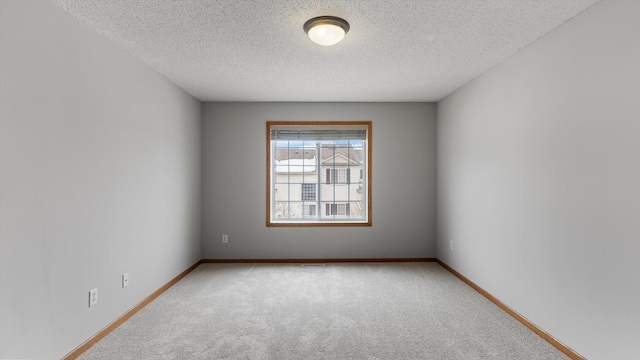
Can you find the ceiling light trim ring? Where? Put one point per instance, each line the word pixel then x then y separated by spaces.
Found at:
pixel 326 20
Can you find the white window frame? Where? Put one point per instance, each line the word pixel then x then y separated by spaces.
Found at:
pixel 331 134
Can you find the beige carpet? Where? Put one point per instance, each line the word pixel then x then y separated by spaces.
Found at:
pixel 337 311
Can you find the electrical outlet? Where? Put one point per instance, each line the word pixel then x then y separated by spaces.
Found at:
pixel 451 245
pixel 93 297
pixel 225 239
pixel 125 280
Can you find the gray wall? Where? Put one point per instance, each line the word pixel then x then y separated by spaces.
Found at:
pixel 234 183
pixel 538 181
pixel 99 175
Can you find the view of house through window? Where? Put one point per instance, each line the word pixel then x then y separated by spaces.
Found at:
pixel 310 167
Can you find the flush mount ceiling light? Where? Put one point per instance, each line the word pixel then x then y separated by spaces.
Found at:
pixel 326 30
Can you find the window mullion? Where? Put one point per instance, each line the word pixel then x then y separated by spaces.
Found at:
pixel 319 172
pixel 288 179
pixel 333 184
pixel 348 178
pixel 303 189
pixel 274 178
pixel 364 181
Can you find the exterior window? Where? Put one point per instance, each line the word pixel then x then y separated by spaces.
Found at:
pixel 337 176
pixel 308 192
pixel 309 168
pixel 337 209
pixel 309 210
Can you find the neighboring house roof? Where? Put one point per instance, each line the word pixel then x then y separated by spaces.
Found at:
pixel 296 165
pixel 329 152
pixel 296 153
pixel 339 159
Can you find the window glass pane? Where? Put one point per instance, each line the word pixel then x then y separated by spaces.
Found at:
pixel 309 210
pixel 356 208
pixel 283 209
pixel 282 192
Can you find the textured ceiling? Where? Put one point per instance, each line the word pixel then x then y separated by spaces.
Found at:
pixel 402 50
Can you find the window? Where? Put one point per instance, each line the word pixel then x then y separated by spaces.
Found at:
pixel 309 168
pixel 309 210
pixel 308 192
pixel 337 176
pixel 337 209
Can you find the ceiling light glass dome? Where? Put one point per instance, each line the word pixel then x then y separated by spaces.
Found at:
pixel 326 30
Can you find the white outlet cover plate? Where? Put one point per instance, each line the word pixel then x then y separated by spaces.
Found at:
pixel 93 297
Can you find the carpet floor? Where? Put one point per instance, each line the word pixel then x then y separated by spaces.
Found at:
pixel 336 311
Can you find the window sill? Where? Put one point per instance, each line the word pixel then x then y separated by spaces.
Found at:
pixel 317 223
